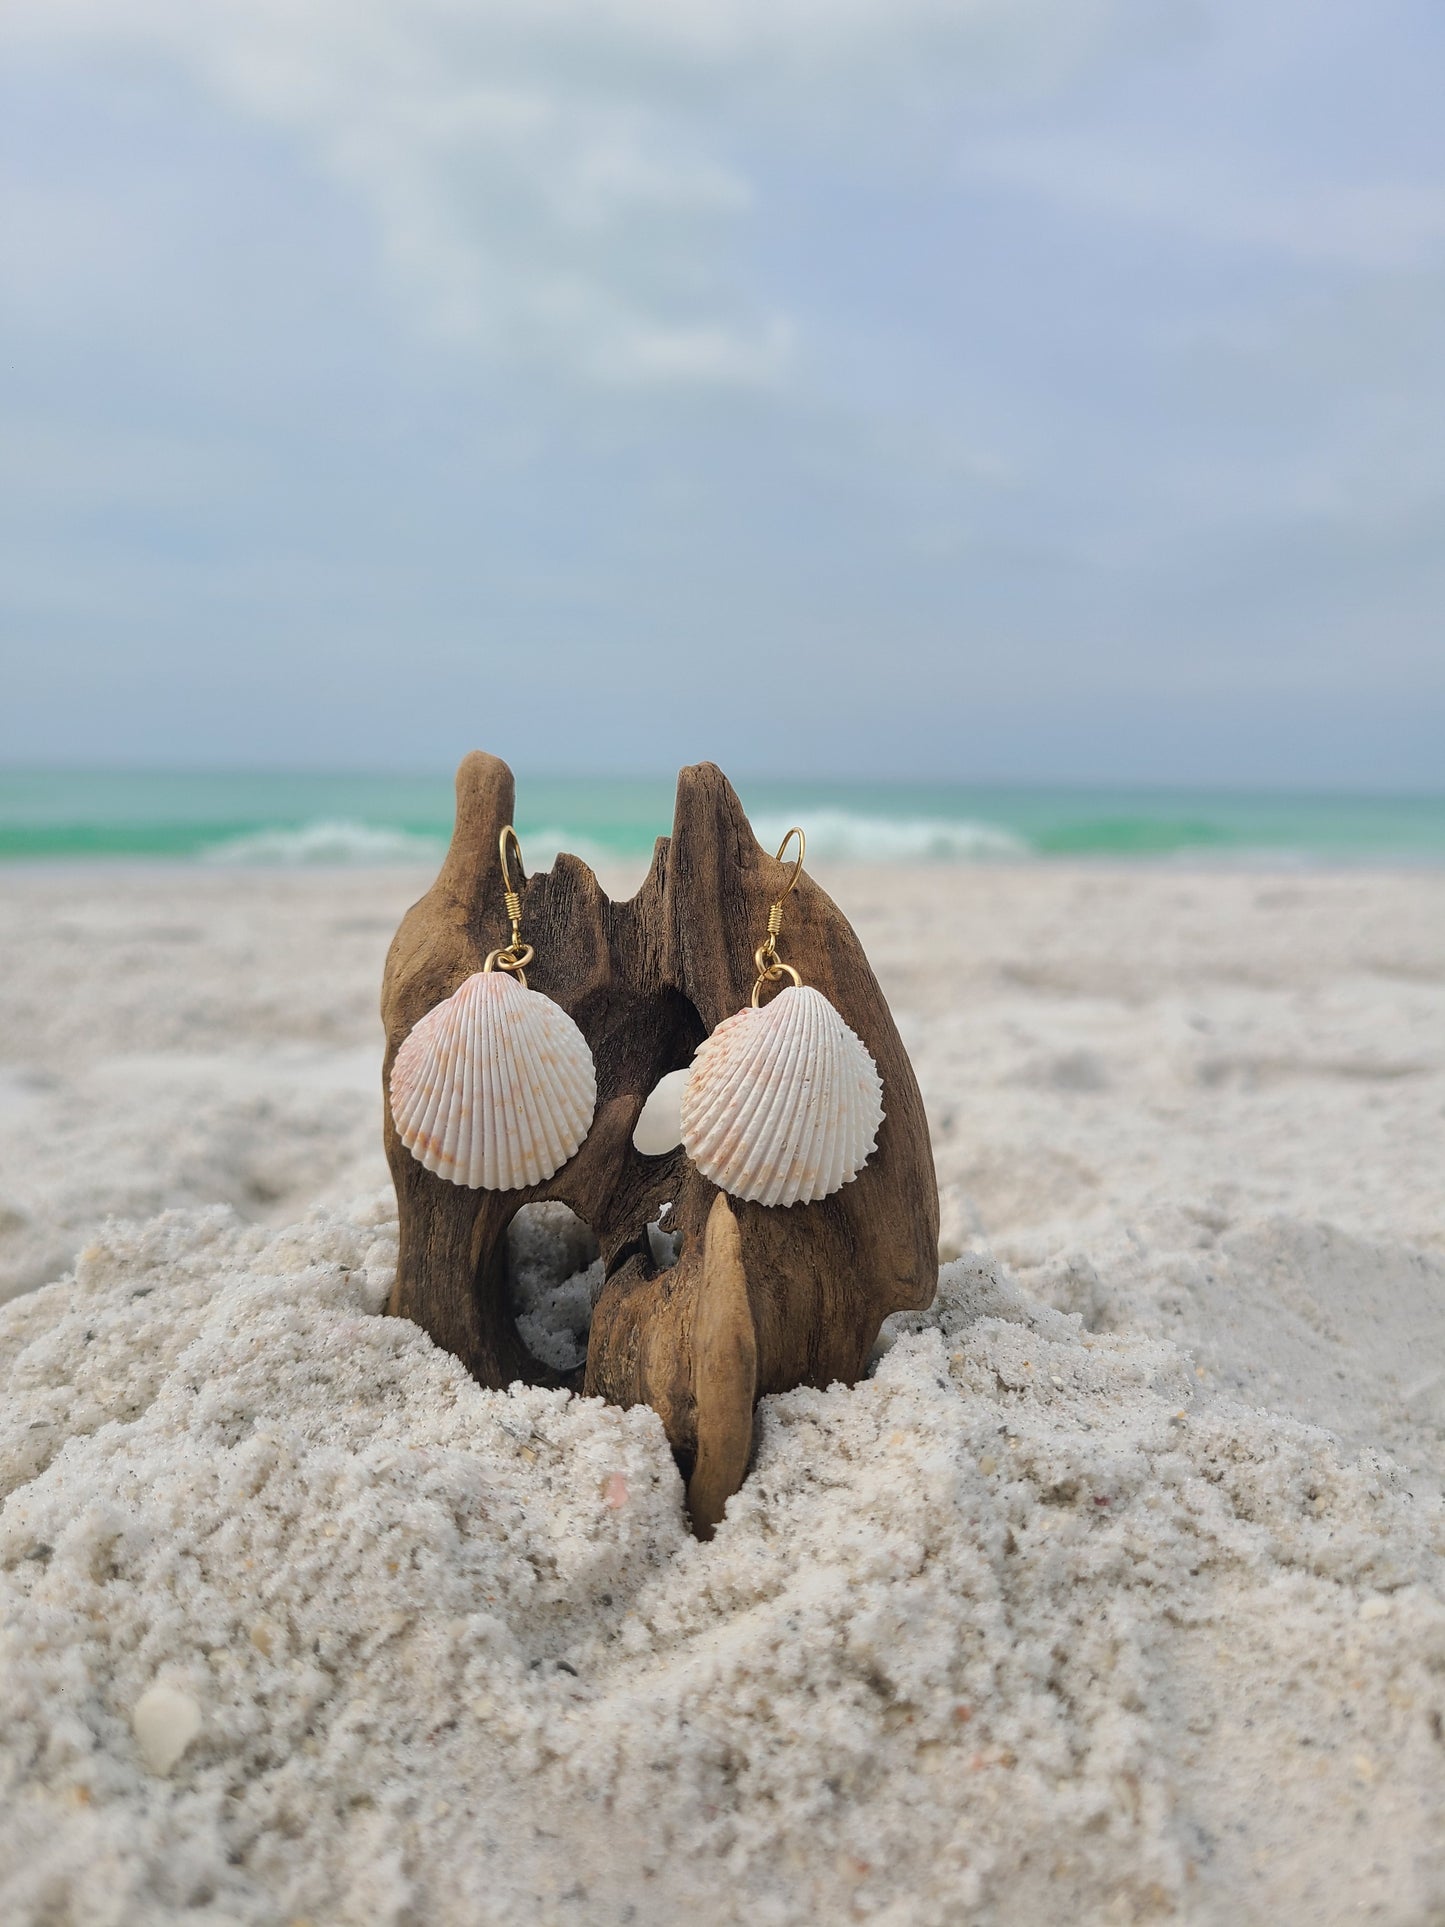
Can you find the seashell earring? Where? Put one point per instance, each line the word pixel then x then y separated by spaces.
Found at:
pixel 495 1087
pixel 784 1102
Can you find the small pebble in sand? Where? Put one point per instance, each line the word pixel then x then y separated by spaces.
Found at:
pixel 165 1721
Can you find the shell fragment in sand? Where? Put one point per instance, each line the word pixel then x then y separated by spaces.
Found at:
pixel 165 1719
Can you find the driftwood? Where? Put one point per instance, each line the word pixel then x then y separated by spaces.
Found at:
pixel 760 1299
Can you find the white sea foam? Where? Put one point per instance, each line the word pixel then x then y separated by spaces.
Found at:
pixel 840 836
pixel 844 836
pixel 332 841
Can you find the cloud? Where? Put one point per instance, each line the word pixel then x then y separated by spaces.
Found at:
pixel 569 181
pixel 1217 198
pixel 1294 133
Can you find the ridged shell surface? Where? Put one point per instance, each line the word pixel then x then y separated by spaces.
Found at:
pixel 495 1087
pixel 784 1102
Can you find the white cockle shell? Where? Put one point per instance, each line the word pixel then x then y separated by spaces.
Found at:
pixel 495 1087
pixel 784 1102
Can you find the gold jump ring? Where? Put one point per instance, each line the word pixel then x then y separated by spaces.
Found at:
pixel 771 975
pixel 514 958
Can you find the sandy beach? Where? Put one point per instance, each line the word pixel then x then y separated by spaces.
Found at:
pixel 1115 1594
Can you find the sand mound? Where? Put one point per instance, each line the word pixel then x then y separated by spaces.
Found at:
pixel 1034 1625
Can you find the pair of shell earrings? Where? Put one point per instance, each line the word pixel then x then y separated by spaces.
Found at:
pixel 495 1087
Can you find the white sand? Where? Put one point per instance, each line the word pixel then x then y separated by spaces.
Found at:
pixel 1118 1594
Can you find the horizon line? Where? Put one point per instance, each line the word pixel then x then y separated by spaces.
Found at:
pixel 1116 786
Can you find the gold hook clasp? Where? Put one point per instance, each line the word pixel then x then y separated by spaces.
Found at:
pixel 770 966
pixel 517 955
pixel 508 841
pixel 797 868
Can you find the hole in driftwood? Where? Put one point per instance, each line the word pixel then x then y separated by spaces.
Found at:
pixel 554 1273
pixel 664 1242
pixel 658 1244
pixel 659 1123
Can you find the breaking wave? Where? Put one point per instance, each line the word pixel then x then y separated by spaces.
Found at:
pixel 837 836
pixel 841 836
pixel 334 842
pixel 339 841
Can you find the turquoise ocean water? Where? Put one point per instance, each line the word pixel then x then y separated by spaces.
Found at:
pixel 296 819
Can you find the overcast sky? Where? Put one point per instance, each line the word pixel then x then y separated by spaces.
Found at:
pixel 979 388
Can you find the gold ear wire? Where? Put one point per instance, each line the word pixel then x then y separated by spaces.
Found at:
pixel 797 868
pixel 517 955
pixel 770 966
